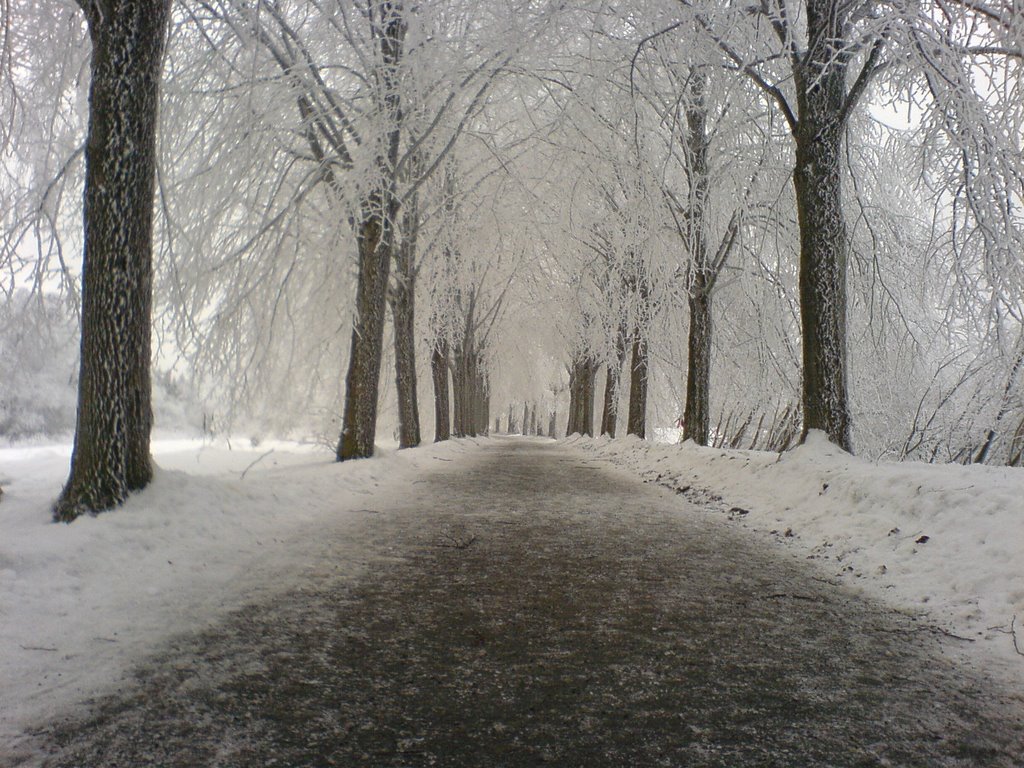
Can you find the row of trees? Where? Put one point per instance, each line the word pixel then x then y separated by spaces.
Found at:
pixel 792 212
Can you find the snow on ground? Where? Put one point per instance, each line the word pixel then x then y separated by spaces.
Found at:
pixel 944 539
pixel 80 603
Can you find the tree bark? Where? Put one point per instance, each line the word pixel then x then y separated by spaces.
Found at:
pixel 439 372
pixel 483 398
pixel 638 387
pixel 610 409
pixel 697 415
pixel 817 179
pixel 111 451
pixel 581 396
pixel 375 239
pixel 697 412
pixel 459 427
pixel 403 307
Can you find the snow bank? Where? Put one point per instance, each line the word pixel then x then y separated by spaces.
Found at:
pixel 80 603
pixel 945 539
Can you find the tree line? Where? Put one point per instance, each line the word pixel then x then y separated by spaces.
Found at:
pixel 565 188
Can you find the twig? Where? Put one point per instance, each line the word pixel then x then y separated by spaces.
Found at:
pixel 37 648
pixel 1012 632
pixel 792 597
pixel 254 463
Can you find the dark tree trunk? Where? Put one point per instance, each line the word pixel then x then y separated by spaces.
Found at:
pixel 470 393
pixel 552 424
pixel 610 411
pixel 483 398
pixel 511 420
pixel 817 179
pixel 439 372
pixel 403 298
pixel 697 412
pixel 697 416
pixel 363 379
pixel 111 451
pixel 638 387
pixel 581 396
pixel 526 419
pixel 376 241
pixel 459 426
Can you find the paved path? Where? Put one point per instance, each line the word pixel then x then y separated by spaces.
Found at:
pixel 536 610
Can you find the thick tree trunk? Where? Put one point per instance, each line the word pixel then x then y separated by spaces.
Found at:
pixel 403 298
pixel 610 409
pixel 697 415
pixel 483 401
pixel 375 239
pixel 638 387
pixel 439 372
pixel 363 379
pixel 470 393
pixel 697 411
pixel 459 427
pixel 111 451
pixel 581 397
pixel 553 424
pixel 817 179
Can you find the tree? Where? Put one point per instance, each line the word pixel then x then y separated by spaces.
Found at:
pixel 111 450
pixel 403 312
pixel 376 238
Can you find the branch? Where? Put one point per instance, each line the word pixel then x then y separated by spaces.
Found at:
pixel 870 68
pixel 773 91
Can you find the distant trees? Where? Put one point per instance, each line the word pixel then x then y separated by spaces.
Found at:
pixel 111 451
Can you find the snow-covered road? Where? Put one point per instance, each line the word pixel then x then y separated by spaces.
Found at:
pixel 526 606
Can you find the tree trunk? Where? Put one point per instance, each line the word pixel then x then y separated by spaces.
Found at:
pixel 439 372
pixel 817 180
pixel 581 397
pixel 553 424
pixel 459 427
pixel 485 398
pixel 610 411
pixel 375 238
pixel 362 381
pixel 697 412
pixel 697 415
pixel 111 451
pixel 638 387
pixel 403 299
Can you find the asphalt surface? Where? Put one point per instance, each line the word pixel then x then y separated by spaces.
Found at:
pixel 531 608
